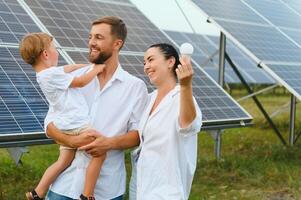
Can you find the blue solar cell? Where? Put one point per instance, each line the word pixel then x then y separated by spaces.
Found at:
pixel 276 12
pixel 229 10
pixel 290 73
pixel 70 21
pixel 21 99
pixel 29 123
pixel 294 34
pixel 205 46
pixel 294 4
pixel 265 42
pixel 276 44
pixel 14 22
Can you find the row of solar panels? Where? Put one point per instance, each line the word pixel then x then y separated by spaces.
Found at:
pixel 22 104
pixel 267 30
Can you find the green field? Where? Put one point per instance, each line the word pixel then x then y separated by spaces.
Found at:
pixel 254 164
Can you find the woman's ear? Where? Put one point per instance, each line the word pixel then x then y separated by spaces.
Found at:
pixel 171 62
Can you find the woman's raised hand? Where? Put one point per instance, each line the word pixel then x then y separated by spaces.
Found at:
pixel 184 71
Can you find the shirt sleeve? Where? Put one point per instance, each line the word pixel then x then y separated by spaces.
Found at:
pixel 48 119
pixel 195 126
pixel 58 79
pixel 139 106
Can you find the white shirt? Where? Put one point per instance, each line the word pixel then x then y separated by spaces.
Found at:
pixel 68 104
pixel 115 110
pixel 167 159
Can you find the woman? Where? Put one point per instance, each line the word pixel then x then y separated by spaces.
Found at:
pixel 166 157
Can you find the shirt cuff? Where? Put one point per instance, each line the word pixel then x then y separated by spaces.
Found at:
pixel 193 128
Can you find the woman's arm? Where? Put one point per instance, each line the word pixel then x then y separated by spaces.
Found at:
pixel 187 107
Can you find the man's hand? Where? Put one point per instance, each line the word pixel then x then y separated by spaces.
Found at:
pixel 84 138
pixel 99 146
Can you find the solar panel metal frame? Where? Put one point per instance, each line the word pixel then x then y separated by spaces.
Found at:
pixel 249 53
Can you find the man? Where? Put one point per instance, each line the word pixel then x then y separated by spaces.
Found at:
pixel 116 99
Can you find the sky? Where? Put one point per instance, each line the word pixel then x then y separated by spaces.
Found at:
pixel 167 15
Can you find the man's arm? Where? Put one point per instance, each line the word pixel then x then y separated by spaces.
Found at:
pixel 103 144
pixel 69 140
pixel 128 140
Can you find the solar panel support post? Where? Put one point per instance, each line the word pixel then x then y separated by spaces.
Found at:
pixel 222 50
pixel 217 136
pixel 297 137
pixel 257 102
pixel 16 153
pixel 291 138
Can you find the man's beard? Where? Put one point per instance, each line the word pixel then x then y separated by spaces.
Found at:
pixel 100 59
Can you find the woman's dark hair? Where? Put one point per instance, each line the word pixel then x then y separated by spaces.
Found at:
pixel 168 51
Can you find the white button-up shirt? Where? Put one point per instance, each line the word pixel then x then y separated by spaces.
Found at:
pixel 168 153
pixel 115 110
pixel 69 114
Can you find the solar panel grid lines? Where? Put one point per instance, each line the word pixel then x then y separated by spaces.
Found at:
pixel 278 13
pixel 210 44
pixel 7 121
pixel 288 79
pixel 123 2
pixel 285 13
pixel 71 25
pixel 293 4
pixel 225 12
pixel 275 46
pixel 20 94
pixel 14 22
pixel 267 42
pixel 230 76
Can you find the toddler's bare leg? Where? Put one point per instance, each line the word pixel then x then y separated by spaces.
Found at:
pixel 65 158
pixel 92 175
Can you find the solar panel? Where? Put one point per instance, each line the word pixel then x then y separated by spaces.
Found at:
pixel 70 21
pixel 274 43
pixel 290 73
pixel 266 42
pixel 205 46
pixel 223 9
pixel 294 4
pixel 294 34
pixel 276 12
pixel 22 102
pixel 14 22
pixel 217 106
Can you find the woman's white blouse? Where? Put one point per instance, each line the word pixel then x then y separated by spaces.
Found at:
pixel 167 153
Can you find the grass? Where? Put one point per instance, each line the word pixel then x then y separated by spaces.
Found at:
pixel 254 164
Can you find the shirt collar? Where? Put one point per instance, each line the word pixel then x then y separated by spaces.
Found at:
pixel 119 74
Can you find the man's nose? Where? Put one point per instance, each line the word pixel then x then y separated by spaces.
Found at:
pixel 92 42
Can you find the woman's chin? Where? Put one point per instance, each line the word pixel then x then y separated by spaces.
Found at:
pixel 152 81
